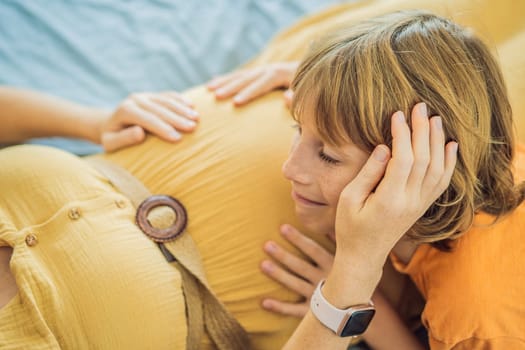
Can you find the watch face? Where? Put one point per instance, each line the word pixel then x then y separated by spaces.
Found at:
pixel 358 322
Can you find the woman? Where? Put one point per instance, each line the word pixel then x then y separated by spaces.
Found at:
pixel 360 252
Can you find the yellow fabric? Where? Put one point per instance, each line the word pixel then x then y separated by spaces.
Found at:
pixel 227 175
pixel 475 293
pixel 97 282
pixel 92 282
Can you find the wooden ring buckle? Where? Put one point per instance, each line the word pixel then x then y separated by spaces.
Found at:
pixel 161 235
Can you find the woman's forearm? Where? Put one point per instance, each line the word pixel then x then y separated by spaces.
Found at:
pixel 27 114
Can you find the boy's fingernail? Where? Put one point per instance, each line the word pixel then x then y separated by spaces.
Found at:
pixel 267 266
pixel 399 117
pixel 270 247
pixel 439 122
pixel 423 109
pixel 381 154
pixel 266 304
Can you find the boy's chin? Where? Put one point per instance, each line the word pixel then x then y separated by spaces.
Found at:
pixel 318 227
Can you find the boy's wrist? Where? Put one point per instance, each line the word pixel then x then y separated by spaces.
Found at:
pixel 351 282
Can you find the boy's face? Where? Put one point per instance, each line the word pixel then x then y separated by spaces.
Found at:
pixel 319 172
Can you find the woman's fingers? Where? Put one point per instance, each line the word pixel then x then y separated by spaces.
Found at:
pixel 167 111
pixel 310 248
pixel 287 279
pixel 300 267
pixel 233 86
pixel 177 104
pixel 221 80
pixel 248 84
pixel 288 98
pixel 284 308
pixel 162 114
pixel 182 112
pixel 114 140
pixel 256 88
pixel 133 114
pixel 178 97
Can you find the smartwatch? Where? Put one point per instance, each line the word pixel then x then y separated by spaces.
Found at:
pixel 343 322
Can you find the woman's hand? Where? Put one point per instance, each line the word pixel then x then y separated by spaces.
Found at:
pixel 248 84
pixel 163 114
pixel 298 274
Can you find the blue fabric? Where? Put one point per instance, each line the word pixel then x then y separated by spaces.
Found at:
pixel 96 52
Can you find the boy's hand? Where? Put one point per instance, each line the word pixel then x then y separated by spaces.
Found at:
pixel 298 274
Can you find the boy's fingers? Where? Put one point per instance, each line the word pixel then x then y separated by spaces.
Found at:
pixel 400 166
pixel 436 167
pixel 298 266
pixel 283 308
pixel 420 145
pixel 308 246
pixel 287 279
pixel 358 190
pixel 451 157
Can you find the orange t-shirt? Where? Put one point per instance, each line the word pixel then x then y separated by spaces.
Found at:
pixel 475 295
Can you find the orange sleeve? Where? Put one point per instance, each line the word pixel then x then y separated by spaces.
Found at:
pixel 501 343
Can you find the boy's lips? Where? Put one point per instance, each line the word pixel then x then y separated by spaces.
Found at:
pixel 304 200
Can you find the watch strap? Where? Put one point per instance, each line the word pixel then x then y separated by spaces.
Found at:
pixel 330 316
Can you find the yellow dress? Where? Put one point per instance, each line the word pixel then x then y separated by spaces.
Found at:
pixel 89 279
